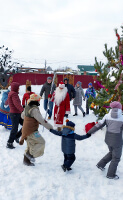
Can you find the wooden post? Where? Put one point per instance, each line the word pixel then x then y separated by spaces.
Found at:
pixel 28 83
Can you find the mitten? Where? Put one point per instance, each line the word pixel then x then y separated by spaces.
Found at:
pixel 21 142
pixel 49 96
pixel 88 135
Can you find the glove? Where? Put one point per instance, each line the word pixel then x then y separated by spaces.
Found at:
pixel 49 96
pixel 88 135
pixel 84 99
pixel 23 106
pixel 21 142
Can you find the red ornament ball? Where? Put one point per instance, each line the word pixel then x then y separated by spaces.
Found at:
pixel 106 90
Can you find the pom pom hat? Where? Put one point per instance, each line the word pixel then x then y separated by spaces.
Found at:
pixel 70 123
pixel 34 97
pixel 116 104
pixel 61 85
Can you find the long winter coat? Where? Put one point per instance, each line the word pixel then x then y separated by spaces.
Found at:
pixel 68 139
pixel 79 94
pixel 61 110
pixel 114 127
pixel 13 99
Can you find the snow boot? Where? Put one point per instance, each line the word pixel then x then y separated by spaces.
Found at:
pixel 66 115
pixel 29 156
pixel 69 169
pixel 75 114
pixel 10 145
pixel 116 177
pixel 17 140
pixel 63 167
pixel 49 118
pixel 101 168
pixel 27 162
pixel 83 114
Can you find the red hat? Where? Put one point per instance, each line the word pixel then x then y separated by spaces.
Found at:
pixel 61 85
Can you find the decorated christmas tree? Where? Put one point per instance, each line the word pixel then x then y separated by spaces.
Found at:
pixel 110 79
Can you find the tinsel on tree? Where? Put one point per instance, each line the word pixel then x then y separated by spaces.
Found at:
pixel 110 79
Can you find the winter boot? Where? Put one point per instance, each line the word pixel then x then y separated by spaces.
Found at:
pixel 69 169
pixel 10 145
pixel 83 114
pixel 17 140
pixel 101 168
pixel 29 156
pixel 75 114
pixel 63 167
pixel 66 115
pixel 27 162
pixel 49 118
pixel 116 177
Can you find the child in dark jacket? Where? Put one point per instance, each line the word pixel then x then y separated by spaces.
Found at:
pixel 68 143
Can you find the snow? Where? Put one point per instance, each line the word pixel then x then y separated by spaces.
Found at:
pixel 47 181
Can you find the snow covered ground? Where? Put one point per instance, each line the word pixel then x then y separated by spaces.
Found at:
pixel 47 181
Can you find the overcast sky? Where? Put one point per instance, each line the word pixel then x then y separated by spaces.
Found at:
pixel 62 32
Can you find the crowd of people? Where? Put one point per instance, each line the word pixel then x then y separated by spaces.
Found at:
pixel 27 113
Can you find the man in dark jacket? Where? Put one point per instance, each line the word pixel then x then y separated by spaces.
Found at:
pixel 46 89
pixel 71 90
pixel 68 143
pixel 15 114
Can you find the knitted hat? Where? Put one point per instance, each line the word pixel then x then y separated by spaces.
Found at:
pixel 61 85
pixel 34 97
pixel 70 123
pixel 116 104
pixel 79 83
pixel 90 84
pixel 49 78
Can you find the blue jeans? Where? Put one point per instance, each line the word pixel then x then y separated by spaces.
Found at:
pixel 50 106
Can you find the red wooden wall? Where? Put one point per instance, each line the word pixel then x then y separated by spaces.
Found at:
pixel 39 79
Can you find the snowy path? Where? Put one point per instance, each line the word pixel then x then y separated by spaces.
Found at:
pixel 47 181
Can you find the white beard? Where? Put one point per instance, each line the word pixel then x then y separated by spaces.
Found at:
pixel 60 95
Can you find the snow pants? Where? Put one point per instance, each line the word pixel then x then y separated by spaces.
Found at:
pixel 69 160
pixel 35 144
pixel 114 156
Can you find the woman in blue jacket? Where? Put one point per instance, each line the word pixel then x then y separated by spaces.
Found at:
pixel 4 111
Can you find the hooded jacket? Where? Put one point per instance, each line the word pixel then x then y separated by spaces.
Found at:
pixel 13 99
pixel 114 126
pixel 68 139
pixel 71 90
